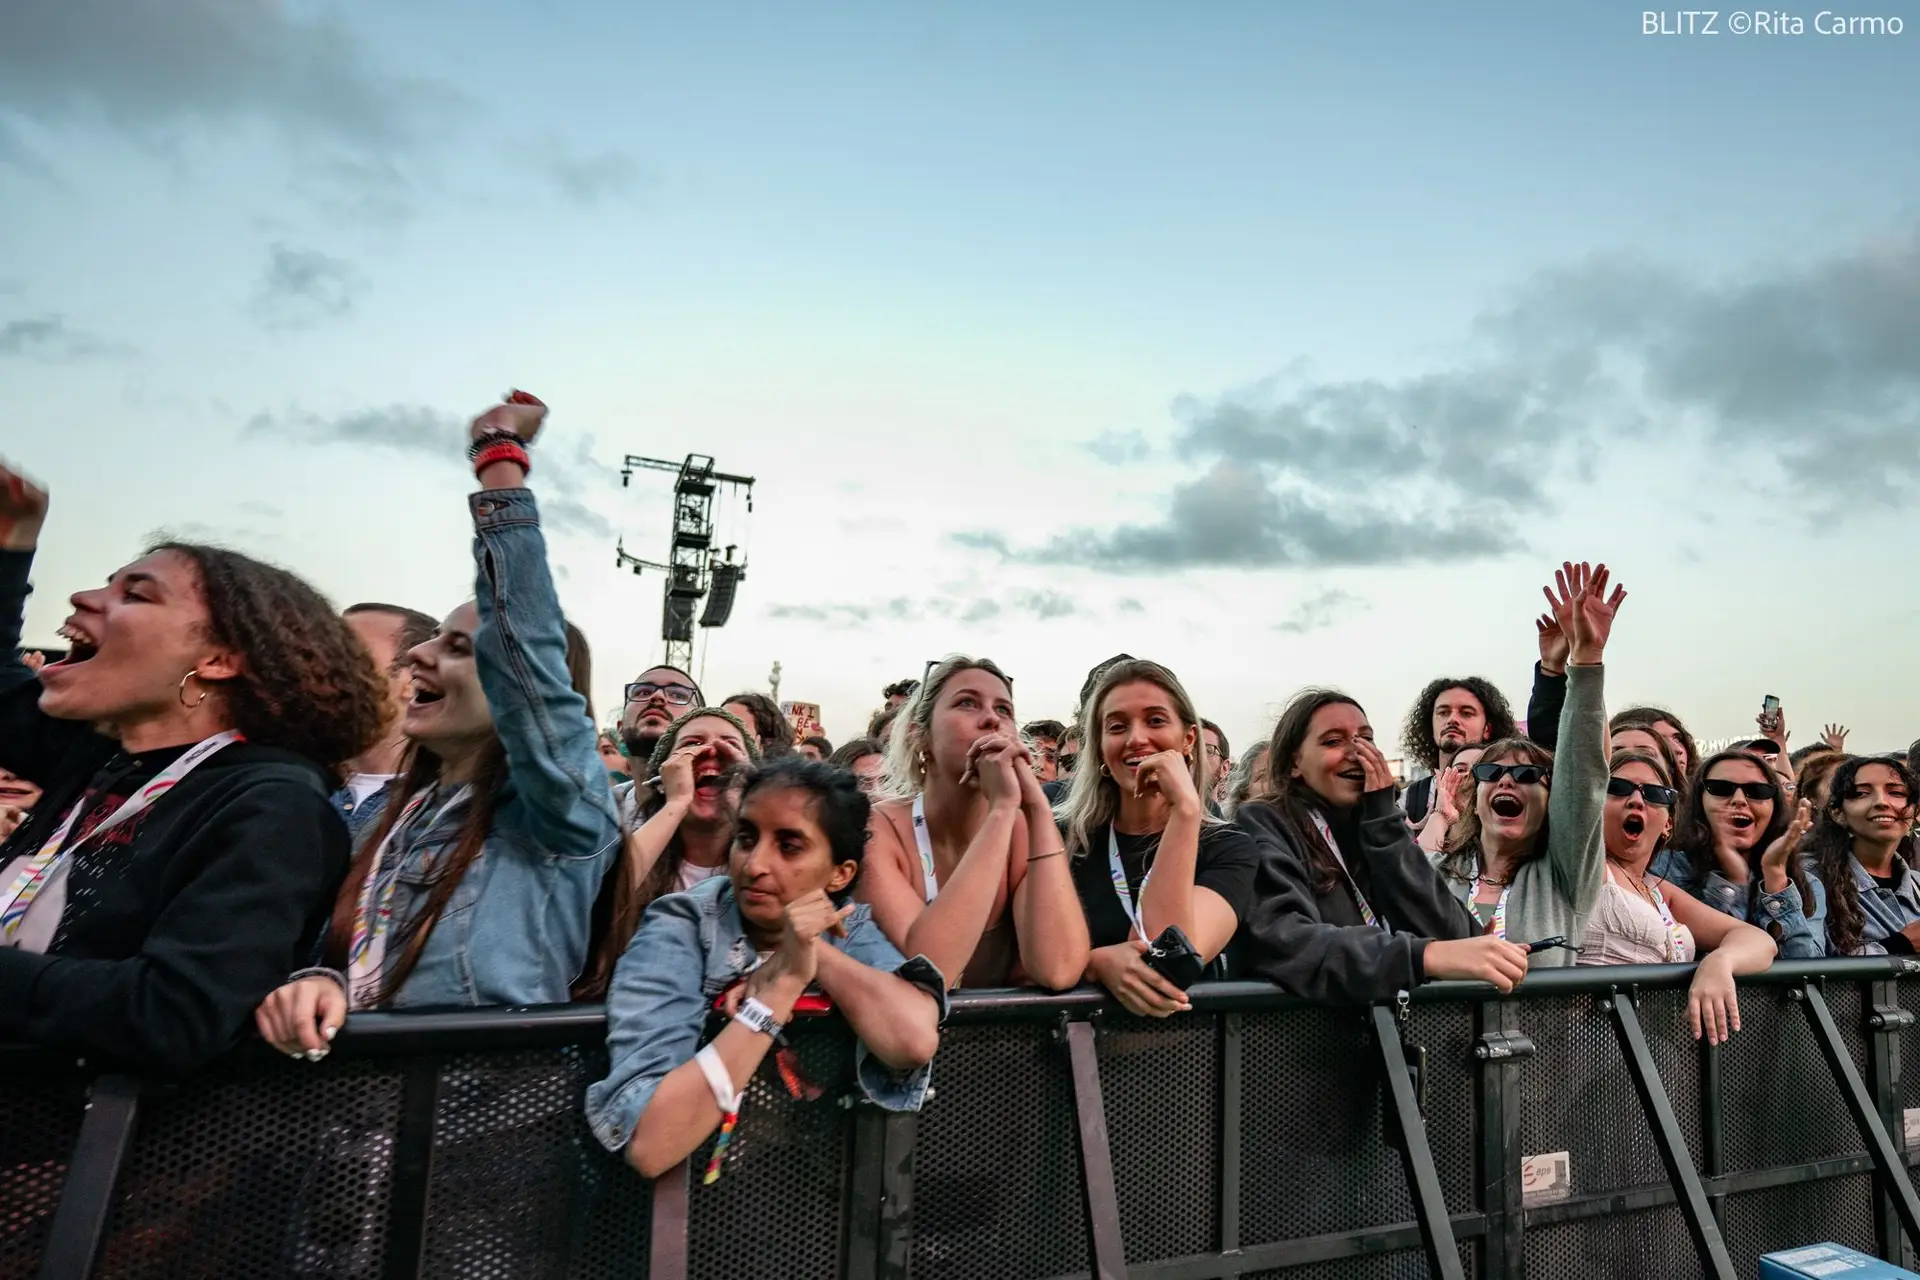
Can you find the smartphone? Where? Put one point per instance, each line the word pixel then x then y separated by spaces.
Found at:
pixel 1770 706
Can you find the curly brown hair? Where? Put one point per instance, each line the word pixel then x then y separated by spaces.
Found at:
pixel 306 683
pixel 1416 735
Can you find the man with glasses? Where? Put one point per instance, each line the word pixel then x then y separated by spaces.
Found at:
pixel 653 702
pixel 1215 768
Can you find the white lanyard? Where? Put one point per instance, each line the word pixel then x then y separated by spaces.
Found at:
pixel 372 919
pixel 1120 890
pixel 40 867
pixel 929 882
pixel 1360 899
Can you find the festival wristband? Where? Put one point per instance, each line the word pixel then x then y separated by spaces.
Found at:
pixel 719 1079
pixel 755 1016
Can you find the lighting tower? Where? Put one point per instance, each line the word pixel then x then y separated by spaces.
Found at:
pixel 693 570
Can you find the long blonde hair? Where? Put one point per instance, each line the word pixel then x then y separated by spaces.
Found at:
pixel 1093 797
pixel 906 771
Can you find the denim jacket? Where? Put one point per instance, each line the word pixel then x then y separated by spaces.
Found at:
pixel 515 931
pixel 689 948
pixel 1797 934
pixel 1884 912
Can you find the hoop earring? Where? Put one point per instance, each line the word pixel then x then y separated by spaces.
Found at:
pixel 183 690
pixel 1104 772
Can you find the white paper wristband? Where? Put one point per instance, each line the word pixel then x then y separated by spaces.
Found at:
pixel 719 1079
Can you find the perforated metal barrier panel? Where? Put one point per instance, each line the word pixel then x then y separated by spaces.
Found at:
pixel 1250 1138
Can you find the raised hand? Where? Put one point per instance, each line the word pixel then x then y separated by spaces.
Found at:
pixel 1553 644
pixel 805 921
pixel 1774 862
pixel 1170 774
pixel 1584 610
pixel 676 775
pixel 994 763
pixel 23 509
pixel 32 659
pixel 1835 737
pixel 1446 794
pixel 520 414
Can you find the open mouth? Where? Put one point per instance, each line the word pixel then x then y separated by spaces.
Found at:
pixel 1740 821
pixel 423 696
pixel 1634 825
pixel 80 646
pixel 1355 774
pixel 1505 805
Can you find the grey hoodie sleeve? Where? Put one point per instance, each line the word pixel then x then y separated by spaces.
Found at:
pixel 1576 846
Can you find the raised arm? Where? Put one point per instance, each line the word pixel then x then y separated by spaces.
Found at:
pixel 1402 882
pixel 1549 693
pixel 32 744
pixel 1577 803
pixel 521 651
pixel 1047 918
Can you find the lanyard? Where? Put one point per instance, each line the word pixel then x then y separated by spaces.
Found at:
pixel 39 869
pixel 929 882
pixel 1675 939
pixel 374 916
pixel 1359 898
pixel 1499 926
pixel 1120 890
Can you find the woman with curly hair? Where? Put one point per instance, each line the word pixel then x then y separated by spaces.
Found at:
pixel 478 883
pixel 1864 861
pixel 186 847
pixel 770 726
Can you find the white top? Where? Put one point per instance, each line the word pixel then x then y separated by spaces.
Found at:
pixel 362 785
pixel 1627 929
pixel 692 874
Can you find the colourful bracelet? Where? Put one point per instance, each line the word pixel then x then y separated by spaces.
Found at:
pixel 491 438
pixel 502 451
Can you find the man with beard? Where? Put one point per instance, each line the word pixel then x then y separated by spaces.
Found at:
pixel 660 696
pixel 1450 715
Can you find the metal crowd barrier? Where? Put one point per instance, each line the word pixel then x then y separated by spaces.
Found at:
pixel 1574 1129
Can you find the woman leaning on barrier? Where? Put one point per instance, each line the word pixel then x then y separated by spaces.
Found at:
pixel 1345 907
pixel 186 846
pixel 1863 860
pixel 1638 921
pixel 964 864
pixel 746 947
pixel 477 885
pixel 1146 857
pixel 1530 859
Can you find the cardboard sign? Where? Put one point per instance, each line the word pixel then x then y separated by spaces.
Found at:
pixel 805 719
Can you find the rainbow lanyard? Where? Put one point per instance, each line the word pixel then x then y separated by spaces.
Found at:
pixel 38 872
pixel 1359 898
pixel 1120 890
pixel 929 881
pixel 374 915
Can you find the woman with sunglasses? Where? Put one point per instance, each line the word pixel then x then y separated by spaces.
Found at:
pixel 1529 860
pixel 965 865
pixel 1733 816
pixel 1864 859
pixel 1635 921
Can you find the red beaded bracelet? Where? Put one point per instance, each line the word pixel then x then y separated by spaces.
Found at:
pixel 502 451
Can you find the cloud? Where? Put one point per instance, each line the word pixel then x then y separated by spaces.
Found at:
pixel 1120 448
pixel 48 338
pixel 1129 605
pixel 1319 611
pixel 303 287
pixel 1043 606
pixel 1812 369
pixel 571 476
pixel 586 179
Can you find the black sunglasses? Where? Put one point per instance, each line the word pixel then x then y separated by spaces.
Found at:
pixel 1524 774
pixel 1723 788
pixel 674 695
pixel 1652 792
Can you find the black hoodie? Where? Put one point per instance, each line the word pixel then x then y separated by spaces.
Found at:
pixel 179 925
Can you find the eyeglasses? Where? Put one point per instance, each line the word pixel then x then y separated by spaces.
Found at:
pixel 674 695
pixel 1523 774
pixel 1216 752
pixel 1652 792
pixel 1723 788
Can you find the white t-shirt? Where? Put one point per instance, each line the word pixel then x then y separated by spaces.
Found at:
pixel 692 874
pixel 362 785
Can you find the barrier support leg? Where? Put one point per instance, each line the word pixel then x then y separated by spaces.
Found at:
pixel 1423 1179
pixel 79 1226
pixel 1885 1021
pixel 1096 1156
pixel 1887 1161
pixel 412 1169
pixel 667 1241
pixel 1503 1252
pixel 1708 1243
pixel 880 1195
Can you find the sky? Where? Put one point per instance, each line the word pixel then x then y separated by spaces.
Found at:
pixel 1284 344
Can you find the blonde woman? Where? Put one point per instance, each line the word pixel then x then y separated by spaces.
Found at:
pixel 963 863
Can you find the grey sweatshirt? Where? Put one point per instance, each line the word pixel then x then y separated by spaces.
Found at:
pixel 1552 895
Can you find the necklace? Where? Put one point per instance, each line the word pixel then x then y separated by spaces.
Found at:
pixel 1639 882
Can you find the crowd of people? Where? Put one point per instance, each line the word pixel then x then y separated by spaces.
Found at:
pixel 230 807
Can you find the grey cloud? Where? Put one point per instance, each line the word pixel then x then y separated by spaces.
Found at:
pixel 1322 610
pixel 1129 605
pixel 1812 369
pixel 265 510
pixel 570 475
pixel 1045 605
pixel 303 287
pixel 50 338
pixel 1120 447
pixel 980 611
pixel 1041 605
pixel 587 179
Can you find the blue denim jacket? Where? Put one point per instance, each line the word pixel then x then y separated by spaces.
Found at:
pixel 1797 935
pixel 1883 912
pixel 515 931
pixel 689 948
pixel 363 817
